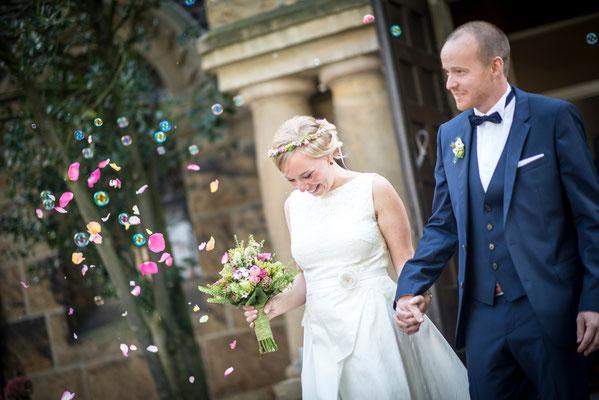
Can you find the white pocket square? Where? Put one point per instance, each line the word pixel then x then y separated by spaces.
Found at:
pixel 528 160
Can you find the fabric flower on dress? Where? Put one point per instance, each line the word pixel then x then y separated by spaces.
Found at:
pixel 348 279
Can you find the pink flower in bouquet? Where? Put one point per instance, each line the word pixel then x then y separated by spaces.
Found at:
pixel 266 281
pixel 263 256
pixel 254 271
pixel 254 279
pixel 263 274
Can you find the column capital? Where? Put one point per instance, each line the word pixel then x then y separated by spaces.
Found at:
pixel 292 85
pixel 330 74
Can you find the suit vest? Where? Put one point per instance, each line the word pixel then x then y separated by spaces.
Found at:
pixel 488 258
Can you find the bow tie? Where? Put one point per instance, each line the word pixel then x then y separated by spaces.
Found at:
pixel 476 120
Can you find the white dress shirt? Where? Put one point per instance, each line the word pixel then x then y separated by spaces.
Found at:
pixel 491 138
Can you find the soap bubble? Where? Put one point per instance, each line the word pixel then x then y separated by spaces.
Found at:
pixel 98 122
pixel 238 100
pixel 48 204
pixel 193 150
pixel 87 152
pixel 33 126
pixel 99 300
pixel 160 150
pixel 123 218
pixel 139 239
pixel 122 122
pixel 165 126
pixel 217 109
pixel 46 194
pixel 396 30
pixel 81 239
pixel 79 134
pixel 101 198
pixel 126 140
pixel 160 137
pixel 592 38
pixel 189 2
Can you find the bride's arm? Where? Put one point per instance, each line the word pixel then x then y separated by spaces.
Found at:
pixel 289 299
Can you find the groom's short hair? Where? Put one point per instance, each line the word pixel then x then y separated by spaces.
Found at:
pixel 492 42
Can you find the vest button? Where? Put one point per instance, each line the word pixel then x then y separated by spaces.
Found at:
pixel 489 227
pixel 494 266
pixel 491 246
pixel 487 207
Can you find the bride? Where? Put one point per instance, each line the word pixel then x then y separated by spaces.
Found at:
pixel 346 227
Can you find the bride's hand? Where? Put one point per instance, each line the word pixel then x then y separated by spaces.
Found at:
pixel 251 313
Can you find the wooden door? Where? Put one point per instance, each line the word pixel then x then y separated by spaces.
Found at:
pixel 419 105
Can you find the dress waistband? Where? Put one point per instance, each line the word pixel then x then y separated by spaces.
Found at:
pixel 346 279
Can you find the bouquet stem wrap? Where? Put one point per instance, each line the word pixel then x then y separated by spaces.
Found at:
pixel 266 341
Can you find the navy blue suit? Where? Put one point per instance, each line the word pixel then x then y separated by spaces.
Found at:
pixel 547 257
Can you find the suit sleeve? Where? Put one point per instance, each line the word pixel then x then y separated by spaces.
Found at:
pixel 438 241
pixel 581 185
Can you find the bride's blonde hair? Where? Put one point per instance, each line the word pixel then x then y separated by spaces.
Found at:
pixel 316 138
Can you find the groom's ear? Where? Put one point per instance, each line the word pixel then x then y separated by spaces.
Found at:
pixel 497 66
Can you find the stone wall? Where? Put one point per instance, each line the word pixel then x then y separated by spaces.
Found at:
pixel 220 12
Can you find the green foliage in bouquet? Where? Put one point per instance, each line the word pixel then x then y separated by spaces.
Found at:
pixel 250 277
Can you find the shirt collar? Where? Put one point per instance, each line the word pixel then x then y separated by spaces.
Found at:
pixel 499 106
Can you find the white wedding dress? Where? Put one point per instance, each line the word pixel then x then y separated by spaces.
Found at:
pixel 352 348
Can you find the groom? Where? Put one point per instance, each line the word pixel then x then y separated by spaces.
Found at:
pixel 517 193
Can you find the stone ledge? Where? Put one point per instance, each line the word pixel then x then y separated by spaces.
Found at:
pixel 273 20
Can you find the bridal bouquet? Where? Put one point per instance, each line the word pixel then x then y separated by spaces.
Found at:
pixel 250 277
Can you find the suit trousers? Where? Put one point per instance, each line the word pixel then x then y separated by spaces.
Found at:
pixel 509 357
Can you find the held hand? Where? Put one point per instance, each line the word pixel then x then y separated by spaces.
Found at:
pixel 409 313
pixel 251 313
pixel 587 331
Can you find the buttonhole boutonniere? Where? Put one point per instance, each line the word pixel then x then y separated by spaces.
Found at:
pixel 457 147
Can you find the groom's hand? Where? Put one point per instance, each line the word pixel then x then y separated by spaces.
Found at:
pixel 408 314
pixel 587 331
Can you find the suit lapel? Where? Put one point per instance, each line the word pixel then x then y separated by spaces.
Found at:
pixel 517 138
pixel 462 167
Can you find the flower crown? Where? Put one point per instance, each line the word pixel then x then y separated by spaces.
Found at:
pixel 272 153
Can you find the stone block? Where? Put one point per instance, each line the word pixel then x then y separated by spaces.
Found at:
pixel 12 297
pixel 121 379
pixel 26 347
pixel 52 385
pixel 224 12
pixel 250 220
pixel 40 292
pixel 252 370
pixel 103 342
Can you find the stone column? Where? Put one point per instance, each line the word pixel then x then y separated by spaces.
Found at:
pixel 363 118
pixel 272 103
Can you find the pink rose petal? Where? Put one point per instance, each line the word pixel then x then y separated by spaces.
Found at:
pixel 84 270
pixel 169 261
pixel 115 183
pixel 74 171
pixel 164 256
pixel 229 371
pixel 202 246
pixel 96 238
pixel 104 163
pixel 148 267
pixel 93 178
pixel 233 344
pixel 39 213
pixel 135 210
pixel 68 395
pixel 193 167
pixel 136 291
pixel 151 348
pixel 65 198
pixel 192 379
pixel 141 189
pixel 89 139
pixel 131 283
pixel 24 284
pixel 125 349
pixel 133 347
pixel 71 311
pixel 60 210
pixel 106 218
pixel 225 258
pixel 368 18
pixel 156 242
pixel 75 336
pixel 134 220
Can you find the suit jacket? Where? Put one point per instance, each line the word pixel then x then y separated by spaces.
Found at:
pixel 551 214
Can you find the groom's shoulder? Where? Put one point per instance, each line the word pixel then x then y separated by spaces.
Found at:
pixel 539 102
pixel 456 122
